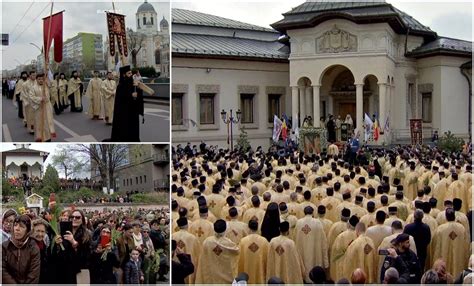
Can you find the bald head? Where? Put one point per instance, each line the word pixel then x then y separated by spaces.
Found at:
pixel 360 228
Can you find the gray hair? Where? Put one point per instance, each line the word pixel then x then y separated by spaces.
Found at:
pixel 430 277
pixel 391 275
pixel 418 215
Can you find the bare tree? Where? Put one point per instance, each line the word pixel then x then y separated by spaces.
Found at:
pixel 107 158
pixel 70 165
pixel 135 41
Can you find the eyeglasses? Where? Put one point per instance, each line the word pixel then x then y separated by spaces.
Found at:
pixel 111 221
pixel 75 217
pixel 146 231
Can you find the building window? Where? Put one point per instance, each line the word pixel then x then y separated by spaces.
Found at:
pixel 141 180
pixel 124 182
pixel 138 22
pixel 177 108
pixel 426 107
pixel 206 106
pixel 144 20
pixel 136 180
pixel 246 104
pixel 144 178
pixel 411 101
pixel 131 182
pixel 152 20
pixel 273 106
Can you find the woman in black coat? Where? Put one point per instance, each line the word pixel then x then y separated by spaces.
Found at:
pixel 102 270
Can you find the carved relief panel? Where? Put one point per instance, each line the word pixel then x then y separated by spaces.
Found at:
pixel 336 41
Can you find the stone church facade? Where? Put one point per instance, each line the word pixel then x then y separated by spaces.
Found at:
pixel 322 58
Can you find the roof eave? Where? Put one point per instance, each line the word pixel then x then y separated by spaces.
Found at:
pixel 438 52
pixel 229 57
pixel 393 20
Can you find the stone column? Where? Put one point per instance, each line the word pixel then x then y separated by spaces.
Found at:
pixel 302 103
pixel 308 101
pixel 294 106
pixel 382 101
pixel 359 108
pixel 316 105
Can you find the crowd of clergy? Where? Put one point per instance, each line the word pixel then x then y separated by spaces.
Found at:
pixel 405 216
pixel 38 99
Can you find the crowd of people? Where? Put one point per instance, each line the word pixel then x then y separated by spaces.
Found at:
pixel 399 215
pixel 123 246
pixel 38 99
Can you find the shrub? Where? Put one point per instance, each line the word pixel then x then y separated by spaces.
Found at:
pixel 449 143
pixel 150 198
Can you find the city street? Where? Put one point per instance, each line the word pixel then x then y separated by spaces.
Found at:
pixel 78 127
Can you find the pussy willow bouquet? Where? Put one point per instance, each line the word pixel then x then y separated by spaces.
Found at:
pixel 115 234
pixel 55 215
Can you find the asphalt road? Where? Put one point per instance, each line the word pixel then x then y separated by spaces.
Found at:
pixel 78 127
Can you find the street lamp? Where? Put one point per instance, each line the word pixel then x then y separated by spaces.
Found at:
pixel 36 46
pixel 232 120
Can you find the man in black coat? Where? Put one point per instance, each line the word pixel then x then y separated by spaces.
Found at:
pixel 128 107
pixel 421 234
pixel 182 265
pixel 403 259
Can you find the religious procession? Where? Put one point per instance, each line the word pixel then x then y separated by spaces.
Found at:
pixel 85 89
pixel 383 215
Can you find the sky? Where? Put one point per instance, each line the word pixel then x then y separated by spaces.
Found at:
pixel 84 16
pixel 450 19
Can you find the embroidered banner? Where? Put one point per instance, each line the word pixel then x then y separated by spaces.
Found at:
pixel 116 27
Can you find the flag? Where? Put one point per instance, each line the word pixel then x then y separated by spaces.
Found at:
pixel 284 130
pixel 117 66
pixel 277 125
pixel 288 125
pixel 386 127
pixel 368 126
pixel 50 75
pixel 54 33
pixel 376 130
pixel 116 28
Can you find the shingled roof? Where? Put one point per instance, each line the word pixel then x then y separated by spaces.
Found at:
pixel 228 47
pixel 310 14
pixel 443 46
pixel 188 17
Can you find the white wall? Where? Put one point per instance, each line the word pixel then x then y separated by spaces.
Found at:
pixel 228 75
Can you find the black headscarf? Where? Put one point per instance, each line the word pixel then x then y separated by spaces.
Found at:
pixel 271 222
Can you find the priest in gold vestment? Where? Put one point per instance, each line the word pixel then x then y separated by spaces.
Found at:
pixel 253 255
pixel 284 260
pixel 218 263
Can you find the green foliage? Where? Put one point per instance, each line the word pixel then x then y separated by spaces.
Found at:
pixel 147 71
pixel 51 178
pixel 150 198
pixel 243 140
pixel 449 143
pixel 73 196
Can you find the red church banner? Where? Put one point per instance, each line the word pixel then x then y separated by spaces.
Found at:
pixel 116 27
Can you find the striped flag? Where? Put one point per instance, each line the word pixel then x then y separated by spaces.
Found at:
pixel 386 127
pixel 277 125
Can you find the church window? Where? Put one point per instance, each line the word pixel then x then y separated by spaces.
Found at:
pixel 426 107
pixel 206 106
pixel 411 100
pixel 157 57
pixel 177 105
pixel 152 20
pixel 138 22
pixel 246 105
pixel 144 20
pixel 273 106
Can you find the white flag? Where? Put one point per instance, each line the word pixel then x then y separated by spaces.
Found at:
pixel 368 124
pixel 117 67
pixel 50 75
pixel 277 124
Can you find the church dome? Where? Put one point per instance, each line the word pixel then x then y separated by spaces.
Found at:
pixel 164 23
pixel 146 7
